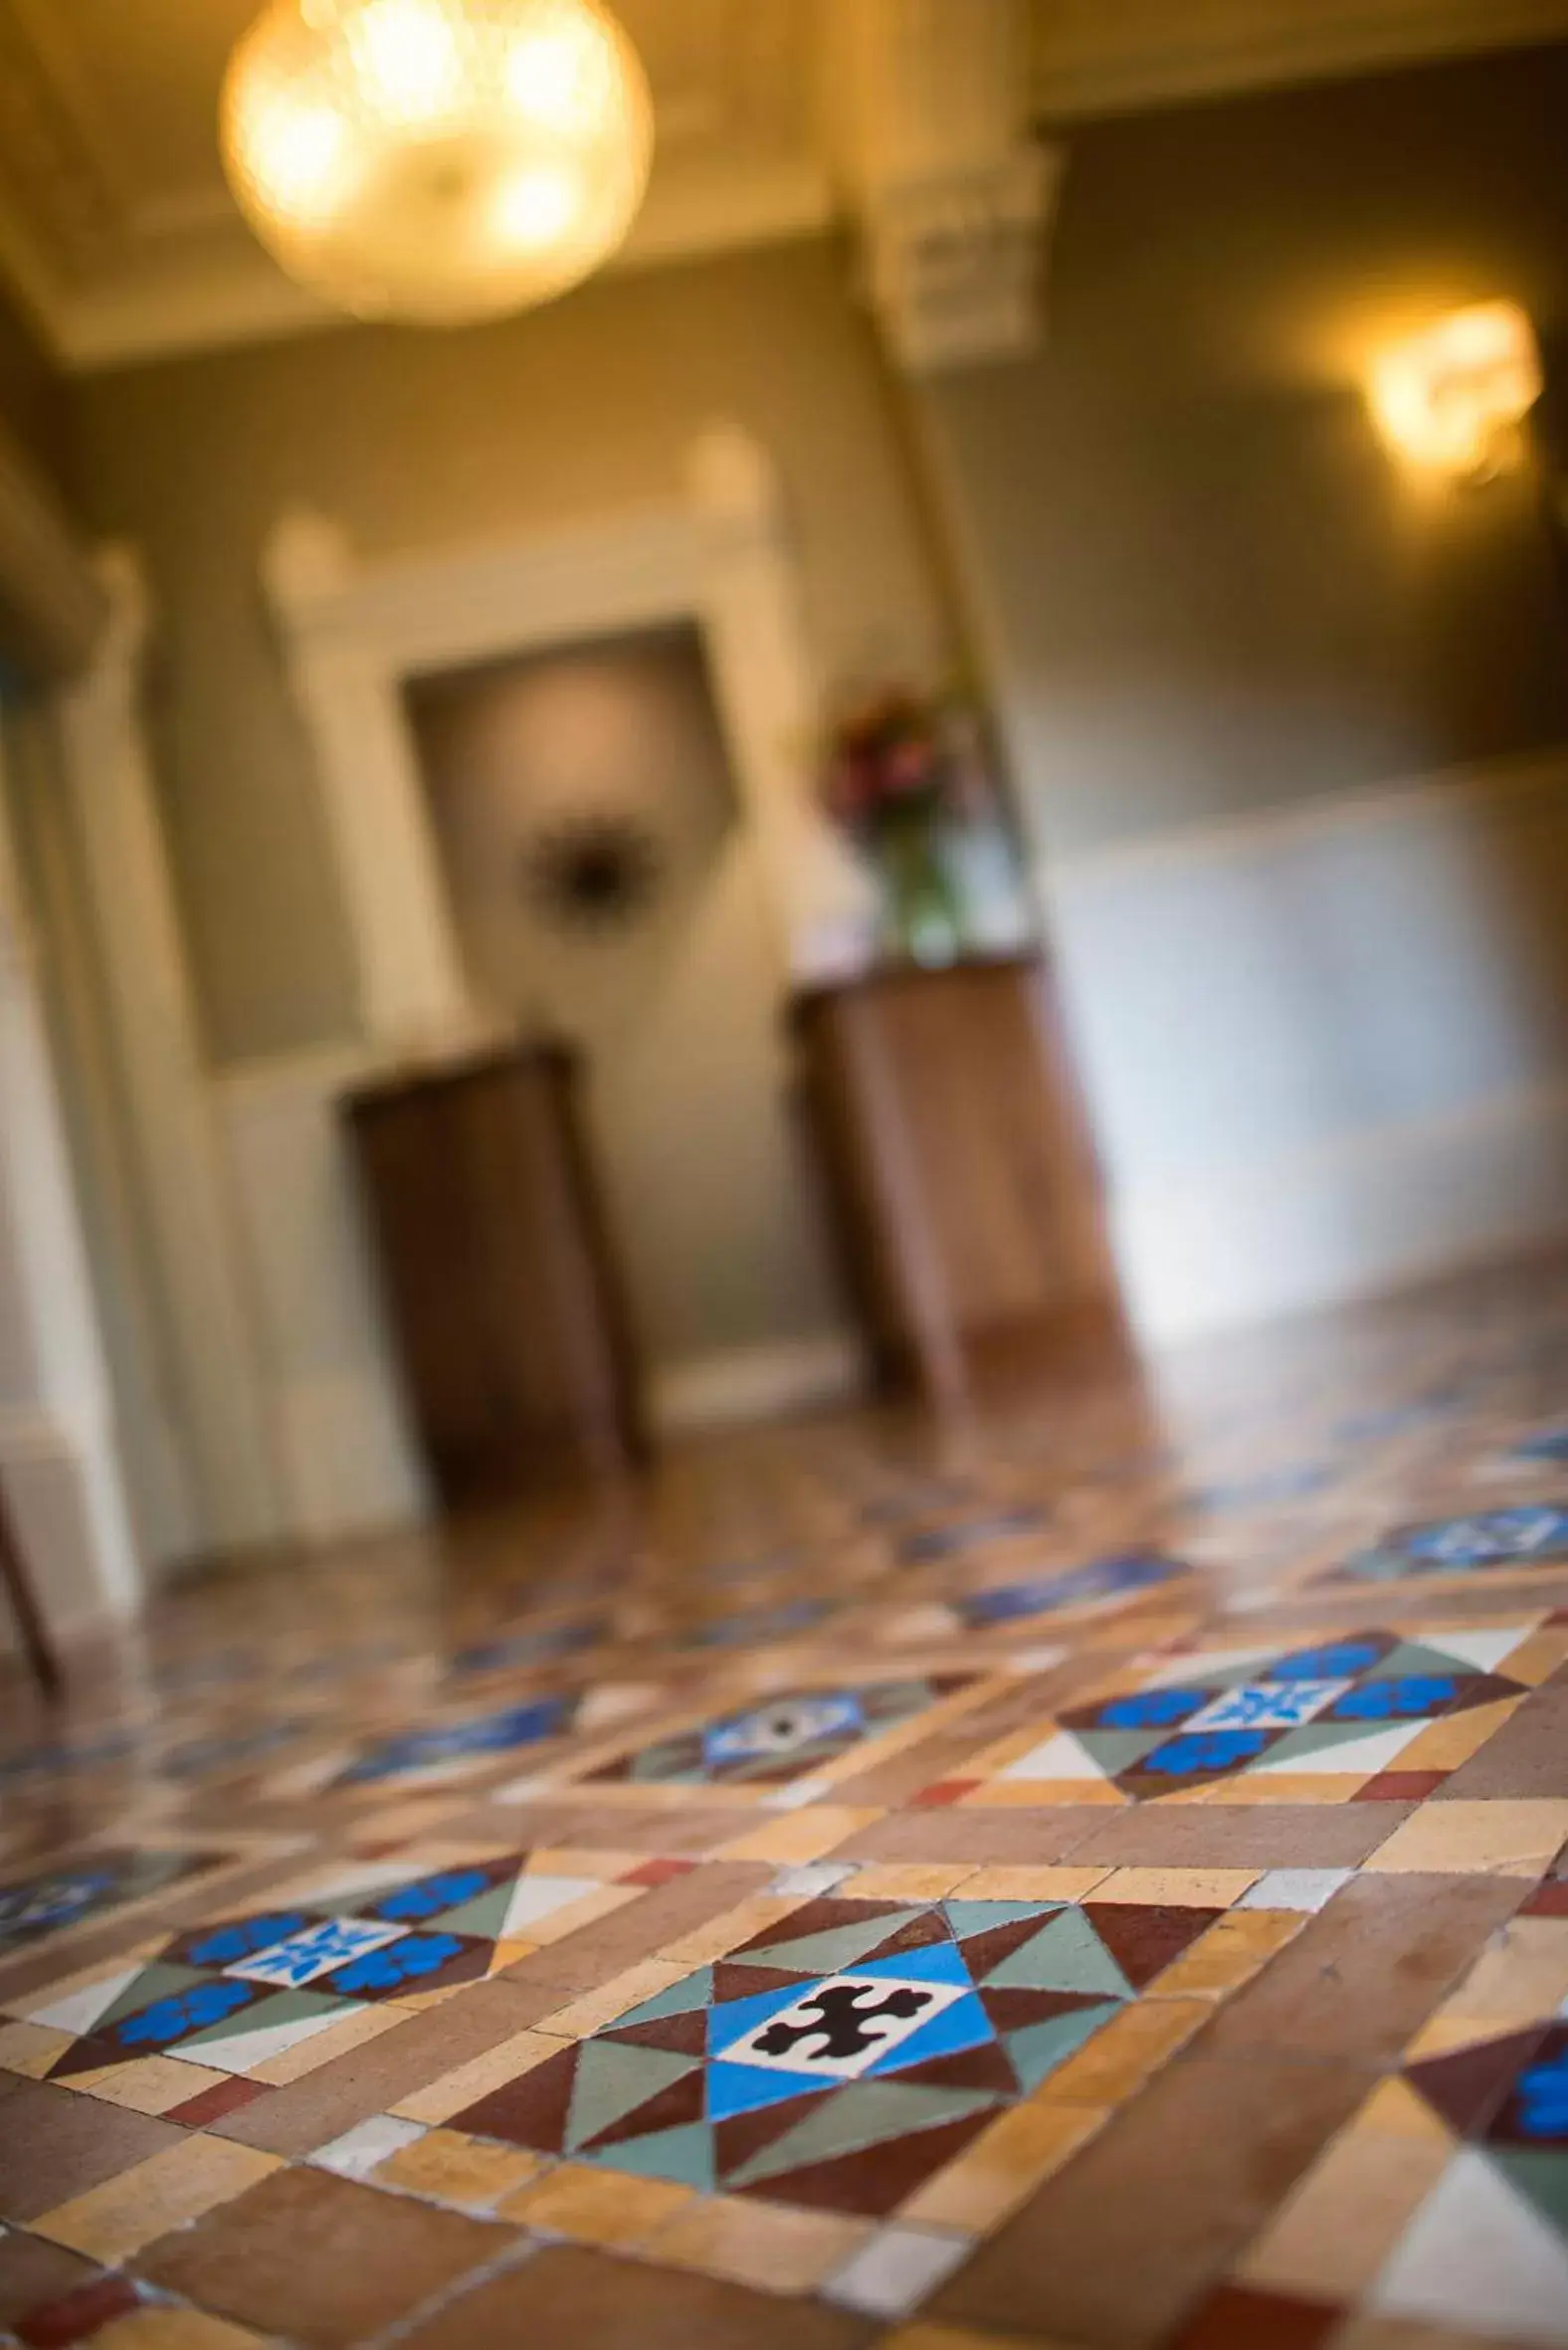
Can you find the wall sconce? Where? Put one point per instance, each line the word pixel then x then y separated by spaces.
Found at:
pixel 1454 397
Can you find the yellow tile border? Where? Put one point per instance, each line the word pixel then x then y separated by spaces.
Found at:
pixel 112 2221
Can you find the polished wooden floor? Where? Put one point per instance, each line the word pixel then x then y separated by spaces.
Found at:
pixel 1088 1872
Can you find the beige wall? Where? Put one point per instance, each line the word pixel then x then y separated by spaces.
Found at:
pixel 1208 590
pixel 416 440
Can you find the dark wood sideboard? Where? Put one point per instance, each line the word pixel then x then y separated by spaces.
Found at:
pixel 964 1186
pixel 501 1284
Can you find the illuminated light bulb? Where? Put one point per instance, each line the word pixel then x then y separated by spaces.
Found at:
pixel 551 77
pixel 437 160
pixel 537 207
pixel 406 57
pixel 1452 397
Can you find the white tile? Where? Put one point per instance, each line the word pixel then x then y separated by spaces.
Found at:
pixel 809 1879
pixel 1060 1757
pixel 1476 2256
pixel 80 2010
pixel 367 2145
pixel 894 2271
pixel 1295 1889
pixel 242 2051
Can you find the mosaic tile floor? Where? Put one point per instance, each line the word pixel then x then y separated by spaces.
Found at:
pixel 1094 1875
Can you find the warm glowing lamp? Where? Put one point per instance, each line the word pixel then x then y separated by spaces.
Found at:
pixel 437 160
pixel 1453 397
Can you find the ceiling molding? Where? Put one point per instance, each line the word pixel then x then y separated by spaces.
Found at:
pixel 1094 58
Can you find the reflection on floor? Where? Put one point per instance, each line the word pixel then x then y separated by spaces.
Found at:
pixel 1092 1876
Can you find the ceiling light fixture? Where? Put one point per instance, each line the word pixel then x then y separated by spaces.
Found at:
pixel 437 160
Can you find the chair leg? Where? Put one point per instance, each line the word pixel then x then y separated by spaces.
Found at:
pixel 35 1643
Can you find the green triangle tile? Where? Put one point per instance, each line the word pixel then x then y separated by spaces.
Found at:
pixel 978 1917
pixel 284 2007
pixel 154 1982
pixel 685 2156
pixel 484 1915
pixel 697 1991
pixel 1540 2175
pixel 1413 1656
pixel 829 1953
pixel 864 2114
pixel 1038 2048
pixel 1065 1955
pixel 1118 1750
pixel 612 2079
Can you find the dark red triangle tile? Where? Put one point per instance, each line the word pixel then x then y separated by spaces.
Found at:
pixel 730 1981
pixel 741 2135
pixel 875 2180
pixel 529 2111
pixel 681 2036
pixel 1482 1688
pixel 92 2054
pixel 985 2068
pixel 1010 2009
pixel 1142 1938
pixel 823 1916
pixel 1467 2086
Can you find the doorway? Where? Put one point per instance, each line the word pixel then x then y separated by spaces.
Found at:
pixel 606 888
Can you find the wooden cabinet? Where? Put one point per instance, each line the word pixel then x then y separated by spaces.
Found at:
pixel 958 1157
pixel 503 1291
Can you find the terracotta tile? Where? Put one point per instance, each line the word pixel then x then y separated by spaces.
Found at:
pixel 1496 1839
pixel 450 2167
pixel 635 1931
pixel 910 1881
pixel 1237 2319
pixel 1113 2251
pixel 1031 1884
pixel 78 2316
pixel 590 2205
pixel 1124 2052
pixel 175 2329
pixel 569 2295
pixel 54 2145
pixel 1366 1972
pixel 991 2177
pixel 318 2259
pixel 1229 1953
pixel 802 1836
pixel 1341 2222
pixel 452 2092
pixel 1036 1839
pixel 1525 1758
pixel 32 2274
pixel 375 2077
pixel 953 2338
pixel 758 2243
pixel 227 2094
pixel 155 2084
pixel 115 2220
pixel 1243 1836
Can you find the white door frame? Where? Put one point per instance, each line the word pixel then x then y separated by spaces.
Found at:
pixel 353 632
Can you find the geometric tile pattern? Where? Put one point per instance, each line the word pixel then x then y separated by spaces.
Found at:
pixel 840 2059
pixel 1478 1543
pixel 101 1882
pixel 242 1990
pixel 1195 1979
pixel 779 1738
pixel 1474 2127
pixel 1324 1717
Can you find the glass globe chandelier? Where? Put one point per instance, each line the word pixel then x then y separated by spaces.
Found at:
pixel 437 160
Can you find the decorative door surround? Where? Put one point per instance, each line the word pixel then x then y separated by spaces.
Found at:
pixel 352 632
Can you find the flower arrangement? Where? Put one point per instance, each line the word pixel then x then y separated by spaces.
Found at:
pixel 903 771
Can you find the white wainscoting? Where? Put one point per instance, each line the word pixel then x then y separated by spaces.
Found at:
pixel 337 1419
pixel 1326 1048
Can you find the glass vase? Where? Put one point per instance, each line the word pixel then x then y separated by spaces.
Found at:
pixel 922 919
